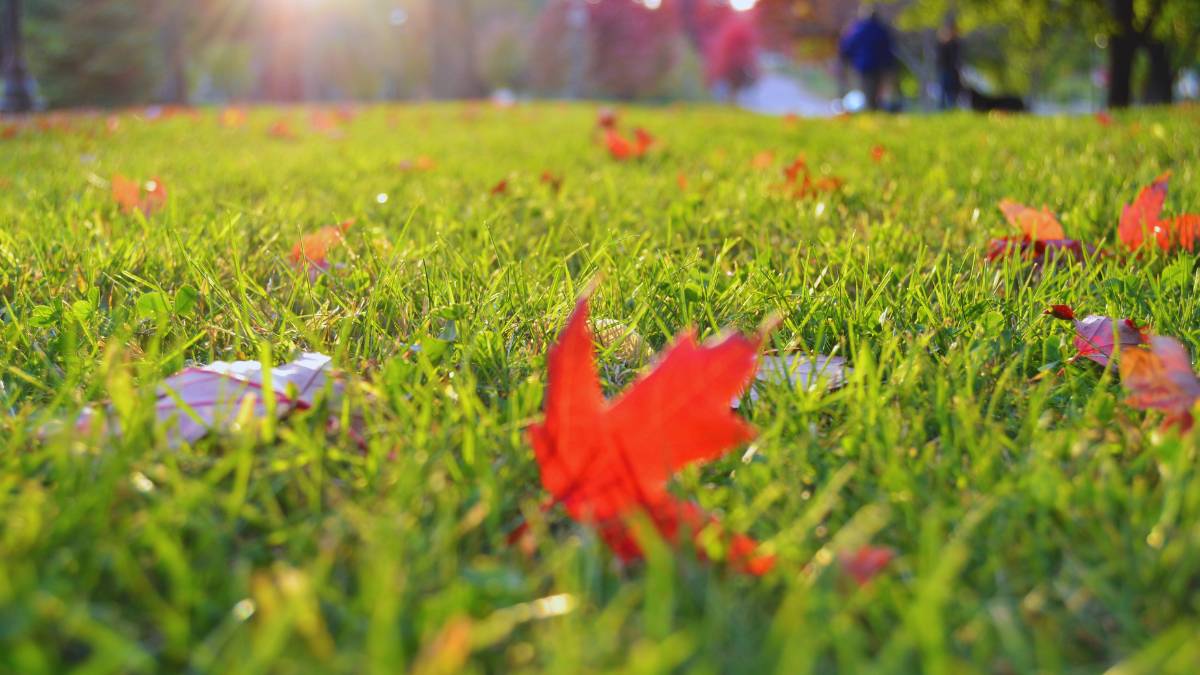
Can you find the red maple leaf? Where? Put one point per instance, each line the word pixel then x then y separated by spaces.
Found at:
pixel 866 562
pixel 1143 217
pixel 1161 378
pixel 1099 338
pixel 799 181
pixel 643 141
pixel 1186 229
pixel 619 147
pixel 606 460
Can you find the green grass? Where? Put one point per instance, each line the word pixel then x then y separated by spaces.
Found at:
pixel 1040 524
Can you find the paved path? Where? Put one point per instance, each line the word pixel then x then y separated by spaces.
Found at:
pixel 779 94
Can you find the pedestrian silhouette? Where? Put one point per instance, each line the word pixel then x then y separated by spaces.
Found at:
pixel 869 48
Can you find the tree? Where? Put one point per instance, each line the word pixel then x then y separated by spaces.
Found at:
pixel 631 47
pixel 621 48
pixel 1163 29
pixel 18 91
pixel 731 55
pixel 94 52
pixel 453 43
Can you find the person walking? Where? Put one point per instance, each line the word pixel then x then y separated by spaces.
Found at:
pixel 869 48
pixel 949 63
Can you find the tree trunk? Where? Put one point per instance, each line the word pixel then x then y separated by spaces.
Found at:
pixel 19 89
pixel 1122 48
pixel 452 70
pixel 1160 86
pixel 175 86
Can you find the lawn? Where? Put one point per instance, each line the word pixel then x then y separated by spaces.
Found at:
pixel 1038 522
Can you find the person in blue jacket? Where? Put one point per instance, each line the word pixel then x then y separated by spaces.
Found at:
pixel 869 48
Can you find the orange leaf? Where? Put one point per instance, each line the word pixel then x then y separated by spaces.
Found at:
pixel 1161 378
pixel 282 129
pixel 763 160
pixel 314 248
pixel 232 118
pixel 604 460
pixel 421 163
pixel 126 193
pixel 1037 225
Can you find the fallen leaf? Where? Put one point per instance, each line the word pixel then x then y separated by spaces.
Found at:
pixel 866 563
pixel 800 370
pixel 800 183
pixel 282 129
pixel 421 163
pixel 606 460
pixel 1142 217
pixel 313 249
pixel 1100 338
pixel 324 122
pixel 1034 224
pixel 763 160
pixel 233 117
pixel 1186 229
pixel 643 141
pixel 126 193
pixel 201 399
pixel 619 147
pixel 1161 378
pixel 131 195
